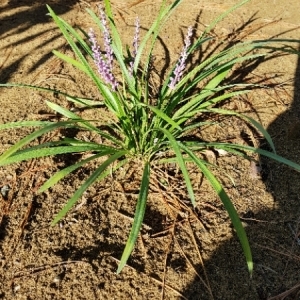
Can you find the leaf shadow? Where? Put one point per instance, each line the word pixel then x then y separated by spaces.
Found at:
pixel 18 17
pixel 273 233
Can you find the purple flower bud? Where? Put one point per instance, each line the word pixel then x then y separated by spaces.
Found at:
pixel 180 66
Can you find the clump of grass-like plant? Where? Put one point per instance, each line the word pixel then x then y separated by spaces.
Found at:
pixel 153 127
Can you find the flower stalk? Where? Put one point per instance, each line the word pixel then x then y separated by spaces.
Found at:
pixel 135 45
pixel 104 63
pixel 181 64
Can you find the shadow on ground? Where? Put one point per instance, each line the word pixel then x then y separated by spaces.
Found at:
pixel 19 17
pixel 273 234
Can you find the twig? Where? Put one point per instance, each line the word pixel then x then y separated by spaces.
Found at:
pixel 45 267
pixel 283 295
pixel 191 265
pixel 154 279
pixel 172 231
pixel 201 260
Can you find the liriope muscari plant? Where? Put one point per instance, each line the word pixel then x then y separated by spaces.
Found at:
pixel 154 128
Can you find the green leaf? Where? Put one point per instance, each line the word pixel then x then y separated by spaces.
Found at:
pixel 138 217
pixel 227 204
pixel 162 115
pixel 259 151
pixel 31 137
pixel 174 145
pixel 86 184
pixel 70 61
pixel 85 102
pixel 226 58
pixel 66 29
pixel 85 123
pixel 64 172
pixel 113 169
pixel 72 32
pixel 253 122
pixel 24 124
pixel 263 131
pixel 218 99
pixel 208 90
pixel 38 88
pixel 31 153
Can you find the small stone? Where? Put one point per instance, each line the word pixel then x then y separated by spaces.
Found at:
pixel 4 190
pixel 17 287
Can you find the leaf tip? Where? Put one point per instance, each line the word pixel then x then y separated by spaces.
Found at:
pixel 250 267
pixel 55 221
pixel 120 268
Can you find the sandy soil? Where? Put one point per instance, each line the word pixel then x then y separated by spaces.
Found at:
pixel 180 254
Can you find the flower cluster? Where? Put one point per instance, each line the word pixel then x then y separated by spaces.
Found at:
pixel 104 63
pixel 180 66
pixel 107 39
pixel 135 43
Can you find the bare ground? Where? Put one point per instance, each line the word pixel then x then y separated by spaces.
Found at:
pixel 181 253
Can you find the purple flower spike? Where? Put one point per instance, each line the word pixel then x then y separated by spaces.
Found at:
pixel 136 37
pixel 104 66
pixel 104 63
pixel 107 40
pixel 135 44
pixel 180 66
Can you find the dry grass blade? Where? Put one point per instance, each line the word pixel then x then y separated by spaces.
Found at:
pixel 172 231
pixel 7 54
pixel 169 287
pixel 192 266
pixel 135 3
pixel 34 270
pixel 200 258
pixel 283 295
pixel 155 280
pixel 177 208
